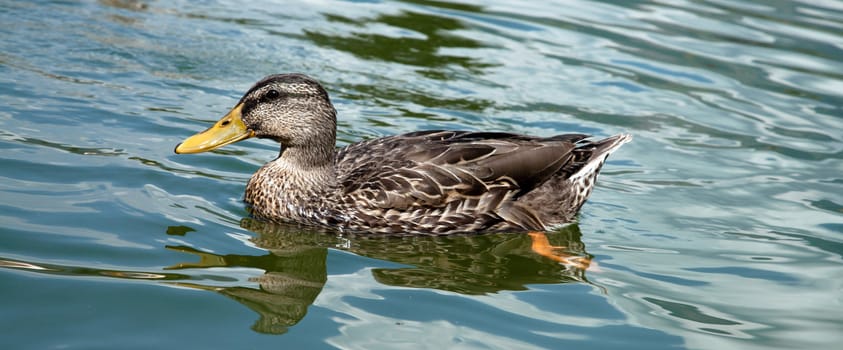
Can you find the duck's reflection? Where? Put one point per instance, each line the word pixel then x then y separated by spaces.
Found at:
pixel 296 265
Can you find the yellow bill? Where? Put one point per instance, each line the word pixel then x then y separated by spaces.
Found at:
pixel 228 130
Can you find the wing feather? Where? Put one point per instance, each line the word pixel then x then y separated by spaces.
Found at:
pixel 434 168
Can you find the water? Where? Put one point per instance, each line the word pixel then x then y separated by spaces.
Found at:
pixel 720 226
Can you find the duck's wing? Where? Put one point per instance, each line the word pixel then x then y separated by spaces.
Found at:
pixel 475 173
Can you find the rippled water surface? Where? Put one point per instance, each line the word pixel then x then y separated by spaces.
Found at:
pixel 720 226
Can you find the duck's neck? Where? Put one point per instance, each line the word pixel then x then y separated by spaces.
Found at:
pixel 295 185
pixel 304 170
pixel 308 158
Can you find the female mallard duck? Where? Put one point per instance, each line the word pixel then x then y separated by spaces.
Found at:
pixel 435 182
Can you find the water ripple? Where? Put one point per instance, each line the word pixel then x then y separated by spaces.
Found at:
pixel 701 231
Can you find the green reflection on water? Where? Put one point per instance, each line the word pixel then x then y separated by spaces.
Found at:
pixel 468 264
pixel 422 52
pixel 384 95
pixel 294 276
pixel 690 312
pixel 296 269
pixel 295 266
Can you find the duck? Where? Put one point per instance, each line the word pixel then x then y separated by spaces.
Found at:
pixel 425 182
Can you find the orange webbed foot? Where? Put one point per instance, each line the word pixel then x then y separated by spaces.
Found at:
pixel 541 246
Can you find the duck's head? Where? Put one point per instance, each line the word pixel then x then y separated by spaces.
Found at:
pixel 292 109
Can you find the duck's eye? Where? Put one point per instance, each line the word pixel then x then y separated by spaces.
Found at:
pixel 272 94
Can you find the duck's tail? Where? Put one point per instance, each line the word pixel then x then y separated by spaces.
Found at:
pixel 591 155
pixel 558 200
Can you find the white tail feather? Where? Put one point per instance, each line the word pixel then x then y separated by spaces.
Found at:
pixel 597 160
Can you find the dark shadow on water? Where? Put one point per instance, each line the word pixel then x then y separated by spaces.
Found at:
pixel 82 271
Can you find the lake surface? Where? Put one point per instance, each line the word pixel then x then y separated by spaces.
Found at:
pixel 719 227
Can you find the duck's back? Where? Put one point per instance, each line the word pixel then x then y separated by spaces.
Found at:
pixel 457 181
